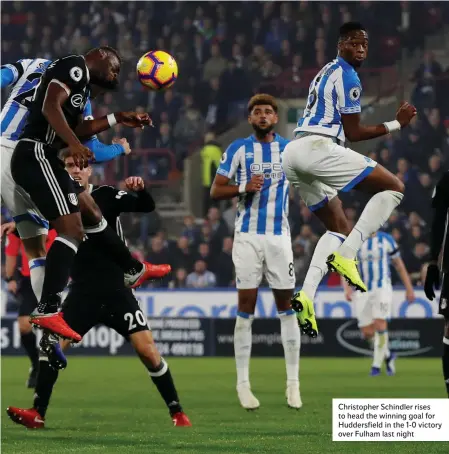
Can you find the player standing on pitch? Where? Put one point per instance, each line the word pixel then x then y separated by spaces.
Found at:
pixel 262 243
pixel 373 307
pixel 439 239
pixel 317 163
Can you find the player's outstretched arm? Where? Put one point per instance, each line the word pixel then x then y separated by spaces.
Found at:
pixel 89 128
pixel 103 152
pixel 138 200
pixel 405 278
pixel 356 132
pixel 222 190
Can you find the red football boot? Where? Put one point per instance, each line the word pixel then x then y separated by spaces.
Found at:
pixel 28 417
pixel 180 419
pixel 54 323
pixel 149 271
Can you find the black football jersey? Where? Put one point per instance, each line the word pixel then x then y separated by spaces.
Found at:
pixel 72 74
pixel 92 267
pixel 440 228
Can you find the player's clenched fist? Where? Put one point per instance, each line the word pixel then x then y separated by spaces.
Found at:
pixel 134 184
pixel 124 143
pixel 255 184
pixel 405 113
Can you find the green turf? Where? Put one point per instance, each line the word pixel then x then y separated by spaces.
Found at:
pixel 109 405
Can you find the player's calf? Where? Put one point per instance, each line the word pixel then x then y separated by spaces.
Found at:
pixel 160 374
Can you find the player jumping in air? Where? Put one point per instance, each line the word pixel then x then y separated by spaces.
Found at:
pixel 97 295
pixel 373 307
pixel 55 122
pixel 22 77
pixel 19 284
pixel 439 243
pixel 317 162
pixel 262 243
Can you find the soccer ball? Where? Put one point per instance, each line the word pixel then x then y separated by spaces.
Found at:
pixel 157 70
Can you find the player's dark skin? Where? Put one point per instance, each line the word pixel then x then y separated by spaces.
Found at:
pixel 104 69
pixel 263 119
pixel 354 50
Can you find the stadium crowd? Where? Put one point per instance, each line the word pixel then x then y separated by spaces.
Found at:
pixel 249 46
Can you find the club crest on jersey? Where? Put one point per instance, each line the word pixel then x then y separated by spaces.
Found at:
pixel 224 157
pixel 443 303
pixel 76 73
pixel 76 100
pixel 73 199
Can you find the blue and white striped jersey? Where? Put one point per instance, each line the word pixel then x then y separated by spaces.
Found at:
pixel 335 90
pixel 375 260
pixel 26 73
pixel 264 212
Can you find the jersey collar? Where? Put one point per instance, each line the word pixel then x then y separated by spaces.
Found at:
pixel 345 64
pixel 90 189
pixel 253 138
pixel 87 70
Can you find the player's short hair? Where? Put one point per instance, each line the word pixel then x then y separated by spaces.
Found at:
pixel 262 100
pixel 349 27
pixel 108 49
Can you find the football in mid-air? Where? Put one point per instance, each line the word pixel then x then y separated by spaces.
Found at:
pixel 157 70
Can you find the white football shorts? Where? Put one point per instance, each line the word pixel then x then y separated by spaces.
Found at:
pixel 320 168
pixel 29 220
pixel 257 255
pixel 371 305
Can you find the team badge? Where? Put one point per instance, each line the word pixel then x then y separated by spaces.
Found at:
pixel 443 303
pixel 73 199
pixel 76 73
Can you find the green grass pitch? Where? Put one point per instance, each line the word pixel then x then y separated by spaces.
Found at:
pixel 109 405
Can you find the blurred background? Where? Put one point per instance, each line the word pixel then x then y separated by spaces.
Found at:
pixel 227 52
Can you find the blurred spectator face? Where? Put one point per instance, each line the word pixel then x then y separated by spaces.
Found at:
pixel 215 83
pixel 183 242
pixel 394 217
pixel 236 50
pixel 164 129
pixel 320 33
pixel 414 219
pixel 434 118
pixel 164 117
pixel 205 230
pixel 397 235
pixel 227 244
pixel 416 232
pixel 297 61
pixel 213 214
pixel 156 244
pixel 189 221
pixel 306 231
pixel 434 163
pixel 215 50
pixel 181 275
pixel 402 165
pixel 385 154
pixel 168 96
pixel 259 51
pixel 425 180
pixel 203 249
pixel 420 250
pixel 200 267
pixel 285 46
pixel 298 248
pixel 188 101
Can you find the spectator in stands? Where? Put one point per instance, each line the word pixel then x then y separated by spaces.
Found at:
pixel 215 65
pixel 180 279
pixel 181 257
pixel 218 227
pixel 190 229
pixel 201 277
pixel 229 215
pixel 158 254
pixel 223 266
pixel 301 260
pixel 204 253
pixel 210 160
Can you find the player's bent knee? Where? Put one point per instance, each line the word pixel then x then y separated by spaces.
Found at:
pixel 35 247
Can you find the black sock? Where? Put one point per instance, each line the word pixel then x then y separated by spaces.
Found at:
pixel 104 237
pixel 163 380
pixel 45 381
pixel 28 341
pixel 57 272
pixel 446 362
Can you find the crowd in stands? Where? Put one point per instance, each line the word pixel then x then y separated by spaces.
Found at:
pixel 249 46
